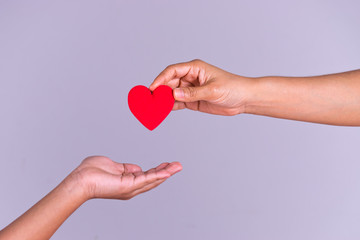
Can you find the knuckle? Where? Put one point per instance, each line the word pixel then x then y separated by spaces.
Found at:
pixel 169 67
pixel 197 61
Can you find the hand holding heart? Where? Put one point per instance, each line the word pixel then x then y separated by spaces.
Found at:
pixel 202 87
pixel 197 86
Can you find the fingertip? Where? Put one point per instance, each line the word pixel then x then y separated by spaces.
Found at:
pixel 159 80
pixel 177 163
pixel 152 87
pixel 174 167
pixel 179 166
pixel 179 94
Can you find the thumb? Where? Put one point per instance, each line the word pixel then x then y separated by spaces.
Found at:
pixel 191 94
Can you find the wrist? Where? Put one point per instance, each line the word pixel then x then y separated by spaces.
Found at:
pixel 256 96
pixel 75 185
pixel 247 92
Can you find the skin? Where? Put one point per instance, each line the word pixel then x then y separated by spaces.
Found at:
pixel 96 177
pixel 329 99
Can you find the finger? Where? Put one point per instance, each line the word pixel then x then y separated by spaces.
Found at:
pixel 127 167
pixel 154 174
pixel 157 169
pixel 138 180
pixel 162 165
pixel 181 105
pixel 144 178
pixel 192 94
pixel 148 187
pixel 172 72
pixel 164 171
pixel 173 168
pixel 131 168
pixel 137 174
pixel 188 83
pixel 178 105
pixel 195 106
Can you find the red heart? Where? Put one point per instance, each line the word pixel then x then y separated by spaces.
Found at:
pixel 151 108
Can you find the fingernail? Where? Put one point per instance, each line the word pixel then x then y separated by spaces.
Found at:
pixel 178 93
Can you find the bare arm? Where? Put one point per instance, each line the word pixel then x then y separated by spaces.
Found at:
pixel 96 177
pixel 328 99
pixel 45 217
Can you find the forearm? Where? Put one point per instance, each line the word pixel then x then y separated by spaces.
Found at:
pixel 95 177
pixel 45 217
pixel 329 99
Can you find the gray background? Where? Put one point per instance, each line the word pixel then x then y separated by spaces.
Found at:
pixel 66 68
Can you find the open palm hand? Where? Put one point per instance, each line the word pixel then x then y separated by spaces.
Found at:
pixel 104 178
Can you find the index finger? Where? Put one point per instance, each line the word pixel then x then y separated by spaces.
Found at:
pixel 171 73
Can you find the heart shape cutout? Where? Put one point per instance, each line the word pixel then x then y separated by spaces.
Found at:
pixel 151 108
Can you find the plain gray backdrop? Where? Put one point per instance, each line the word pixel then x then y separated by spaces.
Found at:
pixel 66 68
